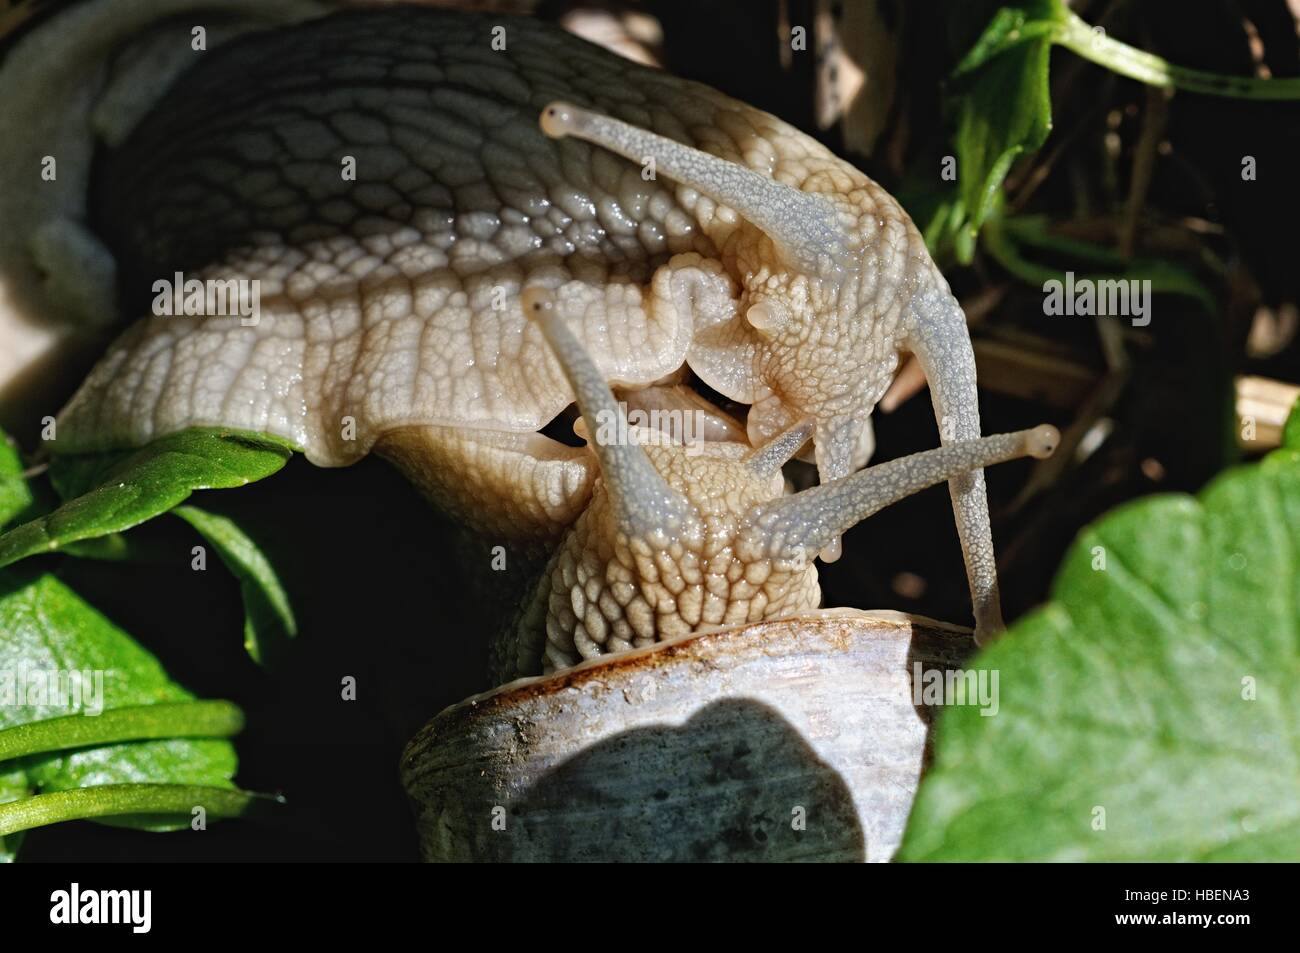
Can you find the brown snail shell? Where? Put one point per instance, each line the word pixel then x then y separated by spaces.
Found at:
pixel 790 739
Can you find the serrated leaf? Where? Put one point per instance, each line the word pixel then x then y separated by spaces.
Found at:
pixel 51 633
pixel 119 491
pixel 268 618
pixel 1149 711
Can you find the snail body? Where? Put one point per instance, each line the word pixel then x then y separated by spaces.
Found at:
pixel 382 176
pixel 676 541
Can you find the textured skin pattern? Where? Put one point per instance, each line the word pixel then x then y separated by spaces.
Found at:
pixel 391 300
pixel 526 487
pixel 741 552
pixel 377 294
pixel 508 486
pixel 604 592
pixel 804 522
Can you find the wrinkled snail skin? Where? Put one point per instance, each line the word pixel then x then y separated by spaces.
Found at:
pixel 781 275
pixel 850 271
pixel 673 542
pixel 379 296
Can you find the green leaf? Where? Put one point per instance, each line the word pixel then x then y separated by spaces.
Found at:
pixel 50 634
pixel 1157 686
pixel 1013 26
pixel 268 618
pixel 1005 109
pixel 15 496
pixel 115 547
pixel 1291 432
pixel 116 492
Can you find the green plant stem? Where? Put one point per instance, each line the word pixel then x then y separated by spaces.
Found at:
pixel 1095 46
pixel 200 719
pixel 999 244
pixel 109 800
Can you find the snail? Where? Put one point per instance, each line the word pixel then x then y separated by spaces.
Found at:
pixel 695 703
pixel 382 177
pixel 673 541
